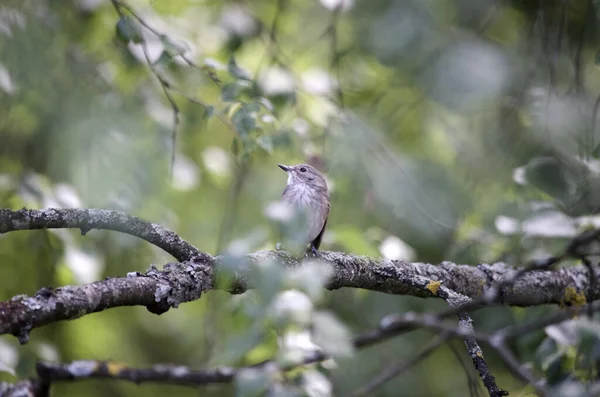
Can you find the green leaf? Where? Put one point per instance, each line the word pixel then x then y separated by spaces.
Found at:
pixel 331 335
pixel 283 138
pixel 555 371
pixel 8 357
pixel 569 388
pixel 237 345
pixel 253 107
pixel 291 307
pixel 267 104
pixel 172 46
pixel 547 174
pixel 551 359
pixel 589 347
pixel 163 60
pixel 235 147
pixel 236 71
pixel 244 119
pixel 267 277
pixel 208 112
pixel 310 277
pixel 285 390
pixel 251 382
pixel 265 142
pixel 569 181
pixel 545 352
pixel 229 92
pixel 129 30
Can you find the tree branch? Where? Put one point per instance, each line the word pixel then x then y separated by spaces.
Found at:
pixel 26 388
pixel 157 290
pixel 465 324
pixel 88 219
pixel 164 373
pixel 182 375
pixel 185 281
pixel 390 326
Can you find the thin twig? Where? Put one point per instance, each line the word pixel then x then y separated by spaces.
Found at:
pixel 472 381
pixel 165 85
pixel 465 326
pixel 592 282
pixel 333 64
pixel 579 77
pixel 231 207
pixel 271 50
pixel 397 369
pixel 519 370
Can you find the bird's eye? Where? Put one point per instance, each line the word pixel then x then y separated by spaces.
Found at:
pixel 303 169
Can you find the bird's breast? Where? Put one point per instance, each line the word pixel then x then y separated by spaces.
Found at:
pixel 304 196
pixel 313 203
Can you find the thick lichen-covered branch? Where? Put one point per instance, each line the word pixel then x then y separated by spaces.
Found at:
pixel 563 286
pixel 159 290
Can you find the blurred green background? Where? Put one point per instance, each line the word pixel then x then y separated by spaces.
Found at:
pixel 459 130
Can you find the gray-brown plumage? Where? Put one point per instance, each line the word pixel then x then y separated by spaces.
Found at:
pixel 307 189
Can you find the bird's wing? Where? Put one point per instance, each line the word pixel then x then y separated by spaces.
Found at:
pixel 317 241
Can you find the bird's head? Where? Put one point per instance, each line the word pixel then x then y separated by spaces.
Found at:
pixel 304 174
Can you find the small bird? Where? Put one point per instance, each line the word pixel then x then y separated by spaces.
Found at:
pixel 307 190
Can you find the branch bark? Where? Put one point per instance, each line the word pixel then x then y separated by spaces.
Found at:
pixel 162 373
pixel 49 373
pixel 465 324
pixel 185 281
pixel 157 290
pixel 88 219
pixel 26 388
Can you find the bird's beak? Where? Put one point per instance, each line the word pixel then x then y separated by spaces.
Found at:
pixel 284 167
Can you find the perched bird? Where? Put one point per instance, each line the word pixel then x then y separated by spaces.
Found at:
pixel 307 190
